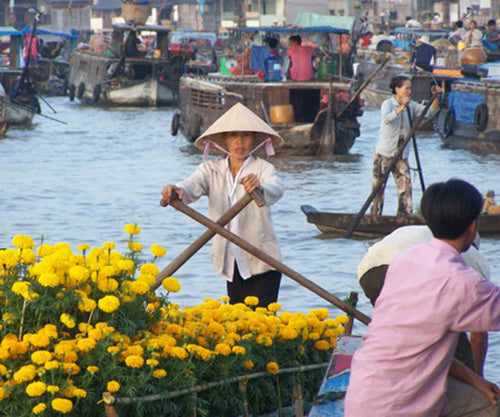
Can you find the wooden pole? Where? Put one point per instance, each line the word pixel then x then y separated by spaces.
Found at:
pixel 417 158
pixel 205 237
pixel 327 143
pixel 384 176
pixel 363 86
pixel 184 208
pixel 353 300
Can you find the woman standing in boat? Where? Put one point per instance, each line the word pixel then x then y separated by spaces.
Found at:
pixel 239 133
pixel 394 127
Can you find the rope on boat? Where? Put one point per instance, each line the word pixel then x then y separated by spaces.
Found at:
pixel 109 399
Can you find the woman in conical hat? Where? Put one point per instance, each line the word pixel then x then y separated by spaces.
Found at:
pixel 239 133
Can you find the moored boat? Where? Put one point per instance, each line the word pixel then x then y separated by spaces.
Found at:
pixel 470 119
pixel 115 78
pixel 372 226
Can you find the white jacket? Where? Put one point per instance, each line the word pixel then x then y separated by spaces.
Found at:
pixel 210 179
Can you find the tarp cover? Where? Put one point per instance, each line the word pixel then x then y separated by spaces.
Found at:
pixel 464 104
pixel 315 19
pixel 42 31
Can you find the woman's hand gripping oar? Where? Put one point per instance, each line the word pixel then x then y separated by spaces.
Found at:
pixel 169 270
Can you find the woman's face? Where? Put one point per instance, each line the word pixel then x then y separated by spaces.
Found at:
pixel 239 144
pixel 404 90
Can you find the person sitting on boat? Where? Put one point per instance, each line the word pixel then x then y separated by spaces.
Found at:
pixel 301 59
pixel 373 269
pixel 394 126
pixel 492 36
pixel 405 365
pixel 131 45
pixel 412 23
pixel 272 43
pixel 239 133
pixel 458 34
pixel 474 37
pixel 424 54
pixel 489 202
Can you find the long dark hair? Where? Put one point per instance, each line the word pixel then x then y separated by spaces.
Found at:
pixel 397 81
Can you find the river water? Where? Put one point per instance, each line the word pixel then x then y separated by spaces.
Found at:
pixel 83 181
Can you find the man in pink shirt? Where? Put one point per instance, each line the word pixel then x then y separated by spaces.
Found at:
pixel 301 59
pixel 405 365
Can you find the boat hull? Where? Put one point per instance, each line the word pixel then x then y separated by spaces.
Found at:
pixel 204 101
pixel 375 226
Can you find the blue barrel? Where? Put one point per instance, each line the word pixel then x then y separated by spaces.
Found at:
pixel 273 69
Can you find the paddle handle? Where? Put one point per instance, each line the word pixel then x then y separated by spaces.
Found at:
pixel 256 194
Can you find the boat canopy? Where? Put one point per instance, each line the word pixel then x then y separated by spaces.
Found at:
pixel 9 31
pixel 141 28
pixel 40 31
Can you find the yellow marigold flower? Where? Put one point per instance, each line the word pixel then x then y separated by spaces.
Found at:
pixel 139 287
pixel 35 389
pixel 225 299
pixel 39 408
pixel 239 350
pixel 3 393
pixel 3 370
pixel 113 386
pixel 53 389
pixel 158 251
pixel 152 362
pixel 79 273
pixel 92 369
pixel 41 356
pixel 223 349
pixel 343 319
pixel 113 350
pixel 9 258
pixel 107 284
pixel 322 345
pixel 134 246
pixel 86 344
pixel 68 321
pixel 109 303
pixel 321 313
pixel 272 368
pixel 251 301
pixel 108 245
pixel 49 279
pixel 87 304
pixel 288 333
pixel 248 364
pixel 23 242
pixel 40 340
pixel 274 307
pixel 134 361
pixel 25 373
pixel 313 336
pixel 171 284
pixel 178 352
pixel 127 266
pixel 159 373
pixel 28 256
pixel 83 247
pixel 147 278
pixel 21 288
pixel 51 365
pixel 62 405
pixel 80 393
pixel 132 229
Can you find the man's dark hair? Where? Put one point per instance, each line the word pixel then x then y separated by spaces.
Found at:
pixel 397 81
pixel 473 21
pixel 491 22
pixel 459 24
pixel 450 207
pixel 296 38
pixel 272 42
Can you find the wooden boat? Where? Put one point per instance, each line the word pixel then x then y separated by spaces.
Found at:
pixel 112 78
pixel 372 226
pixel 470 120
pixel 203 100
pixel 330 399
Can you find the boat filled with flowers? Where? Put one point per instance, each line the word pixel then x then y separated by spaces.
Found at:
pixel 83 333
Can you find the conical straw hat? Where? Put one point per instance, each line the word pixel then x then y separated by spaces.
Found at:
pixel 238 119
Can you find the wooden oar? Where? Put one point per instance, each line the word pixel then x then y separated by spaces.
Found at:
pixel 363 86
pixel 417 158
pixel 385 175
pixel 184 208
pixel 205 237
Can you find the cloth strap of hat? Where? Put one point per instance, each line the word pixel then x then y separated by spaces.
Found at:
pixel 268 146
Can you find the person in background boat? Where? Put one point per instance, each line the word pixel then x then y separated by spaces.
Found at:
pixel 458 34
pixel 301 59
pixel 131 44
pixel 492 36
pixel 474 37
pixel 239 133
pixel 489 203
pixel 272 43
pixel 412 23
pixel 373 269
pixel 423 55
pixel 405 365
pixel 394 126
pixel 31 49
